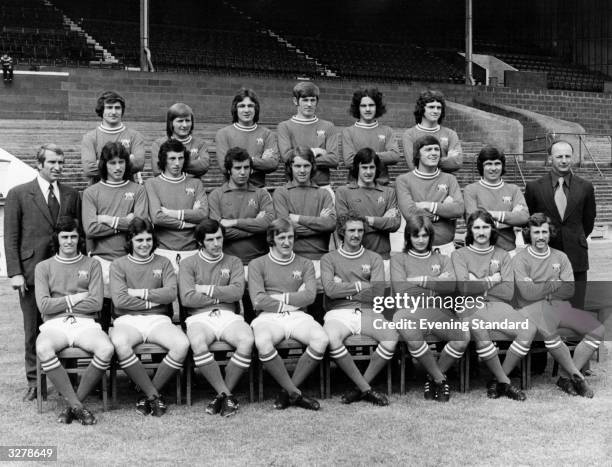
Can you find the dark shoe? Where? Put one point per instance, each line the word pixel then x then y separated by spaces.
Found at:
pixel 215 405
pixel 30 395
pixel 282 400
pixel 428 390
pixel 158 406
pixel 65 416
pixel 442 391
pixel 566 386
pixel 376 398
pixel 510 391
pixel 143 406
pixel 354 395
pixel 305 402
pixel 229 406
pixel 84 416
pixel 492 392
pixel 581 387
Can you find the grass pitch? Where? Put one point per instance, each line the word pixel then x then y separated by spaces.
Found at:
pixel 549 428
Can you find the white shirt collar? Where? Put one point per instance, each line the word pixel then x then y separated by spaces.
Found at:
pixel 44 187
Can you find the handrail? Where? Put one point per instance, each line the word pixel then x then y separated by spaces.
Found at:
pixel 590 155
pixel 517 164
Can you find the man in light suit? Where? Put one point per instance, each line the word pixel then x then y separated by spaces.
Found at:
pixel 30 214
pixel 569 201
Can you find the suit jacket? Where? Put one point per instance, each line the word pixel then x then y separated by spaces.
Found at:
pixel 578 220
pixel 28 227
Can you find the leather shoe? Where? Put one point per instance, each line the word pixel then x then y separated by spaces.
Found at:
pixel 30 395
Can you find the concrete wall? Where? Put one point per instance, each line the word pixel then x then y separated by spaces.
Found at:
pixel 149 95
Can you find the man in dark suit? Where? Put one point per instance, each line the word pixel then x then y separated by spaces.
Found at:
pixel 30 214
pixel 569 201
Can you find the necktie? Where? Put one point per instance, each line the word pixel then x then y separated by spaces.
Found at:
pixel 560 198
pixel 54 207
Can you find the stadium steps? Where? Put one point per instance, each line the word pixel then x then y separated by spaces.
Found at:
pixel 23 137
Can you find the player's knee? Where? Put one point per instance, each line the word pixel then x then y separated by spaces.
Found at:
pixel 334 336
pixel 122 346
pixel 44 348
pixel 180 347
pixel 198 343
pixel 105 350
pixel 263 342
pixel 401 315
pixel 319 340
pixel 245 343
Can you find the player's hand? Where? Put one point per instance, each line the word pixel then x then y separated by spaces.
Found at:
pixel 425 205
pixel 18 283
pixel 106 219
pixel 337 280
pixel 472 277
pixel 444 275
pixel 260 214
pixel 414 278
pixel 318 152
pixel 495 277
pixel 268 154
pixel 228 223
pixel 78 297
pixel 170 212
pixel 370 221
pixel 129 217
pixel 527 279
pixel 295 218
pixel 448 199
pixel 391 213
pixel 326 212
pixel 138 293
pixel 453 153
pixel 197 204
pixel 202 288
pixel 302 287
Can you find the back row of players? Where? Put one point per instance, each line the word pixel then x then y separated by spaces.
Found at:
pixel 237 221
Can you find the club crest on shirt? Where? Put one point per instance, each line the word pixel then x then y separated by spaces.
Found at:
pixel 193 152
pixel 259 141
pixel 190 191
pixel 444 142
pixel 556 267
pixel 365 268
pixel 495 264
pixel 252 203
pixel 297 275
pixel 435 269
pixel 157 273
pixel 82 274
pixel 320 133
pixel 507 199
pixel 125 142
pixel 381 137
pixel 443 187
pixel 225 272
pixel 381 200
pixel 129 196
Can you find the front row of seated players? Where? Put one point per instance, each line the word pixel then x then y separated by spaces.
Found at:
pixel 69 294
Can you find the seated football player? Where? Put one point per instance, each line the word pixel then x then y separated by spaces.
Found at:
pixel 143 286
pixel 429 113
pixel 377 203
pixel 310 209
pixel 352 276
pixel 211 285
pixel 177 203
pixel 245 132
pixel 545 283
pixel 180 123
pixel 366 106
pixel 244 211
pixel 69 296
pixel 429 191
pixel 282 284
pixel 484 270
pixel 504 201
pixel 419 272
pixel 108 208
